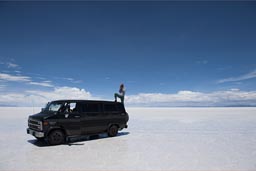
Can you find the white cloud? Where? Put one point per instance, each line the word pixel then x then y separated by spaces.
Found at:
pixel 247 76
pixel 204 62
pixel 44 84
pixel 63 93
pixel 7 76
pixel 77 81
pixel 2 86
pixel 72 80
pixel 19 78
pixel 69 79
pixel 39 98
pixel 232 97
pixel 190 98
pixel 47 81
pixel 11 65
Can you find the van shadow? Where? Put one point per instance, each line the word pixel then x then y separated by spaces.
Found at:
pixel 76 140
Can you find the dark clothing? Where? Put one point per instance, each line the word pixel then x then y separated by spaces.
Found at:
pixel 120 95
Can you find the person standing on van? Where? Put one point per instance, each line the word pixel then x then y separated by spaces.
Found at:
pixel 120 94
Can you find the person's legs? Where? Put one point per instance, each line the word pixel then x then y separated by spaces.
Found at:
pixel 122 99
pixel 119 96
pixel 115 95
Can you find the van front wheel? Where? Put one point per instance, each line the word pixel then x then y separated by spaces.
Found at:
pixel 56 137
pixel 112 131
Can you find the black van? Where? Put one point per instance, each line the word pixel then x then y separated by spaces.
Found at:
pixel 62 119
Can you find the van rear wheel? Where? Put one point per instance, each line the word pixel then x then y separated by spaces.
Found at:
pixel 112 131
pixel 56 137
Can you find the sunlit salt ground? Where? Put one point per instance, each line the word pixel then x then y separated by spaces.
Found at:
pixel 157 139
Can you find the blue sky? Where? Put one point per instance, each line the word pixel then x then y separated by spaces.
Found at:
pixel 185 49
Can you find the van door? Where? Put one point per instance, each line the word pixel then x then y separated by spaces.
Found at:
pixel 71 119
pixel 92 119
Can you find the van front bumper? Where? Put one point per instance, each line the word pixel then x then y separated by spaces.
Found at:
pixel 35 133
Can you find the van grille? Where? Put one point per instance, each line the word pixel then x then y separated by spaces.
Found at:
pixel 35 124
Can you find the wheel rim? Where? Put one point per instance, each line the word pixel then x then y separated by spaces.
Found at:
pixel 56 138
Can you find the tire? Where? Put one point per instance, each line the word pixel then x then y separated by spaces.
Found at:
pixel 112 131
pixel 56 137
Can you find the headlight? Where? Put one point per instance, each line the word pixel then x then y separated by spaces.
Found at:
pixel 45 123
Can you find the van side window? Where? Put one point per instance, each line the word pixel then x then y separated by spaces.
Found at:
pixel 72 107
pixel 78 108
pixel 110 108
pixel 92 107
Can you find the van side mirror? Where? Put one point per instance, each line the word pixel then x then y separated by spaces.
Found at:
pixel 42 109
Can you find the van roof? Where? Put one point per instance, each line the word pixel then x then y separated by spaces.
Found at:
pixel 95 101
